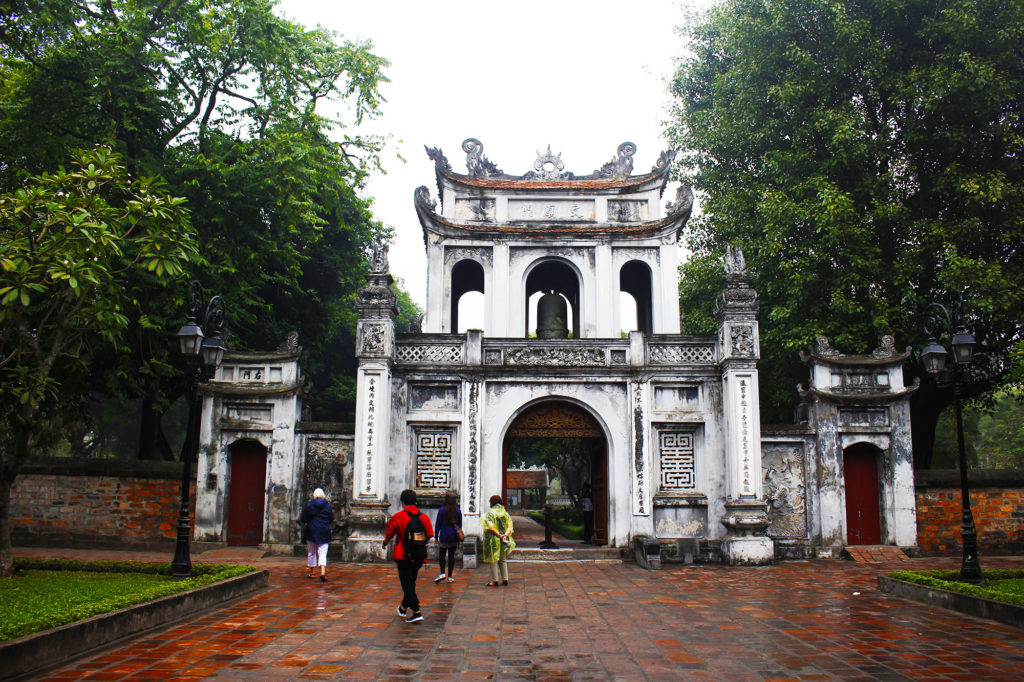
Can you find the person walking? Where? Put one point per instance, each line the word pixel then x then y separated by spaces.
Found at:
pixel 448 526
pixel 498 542
pixel 412 529
pixel 587 503
pixel 317 517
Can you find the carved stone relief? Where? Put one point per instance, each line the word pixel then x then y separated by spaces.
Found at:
pixel 785 489
pixel 556 357
pixel 329 466
pixel 742 340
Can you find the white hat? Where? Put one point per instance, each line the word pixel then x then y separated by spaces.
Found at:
pixel 319 492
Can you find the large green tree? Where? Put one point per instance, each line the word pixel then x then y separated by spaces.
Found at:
pixel 69 241
pixel 869 158
pixel 225 100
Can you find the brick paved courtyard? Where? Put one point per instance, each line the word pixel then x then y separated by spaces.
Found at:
pixel 809 620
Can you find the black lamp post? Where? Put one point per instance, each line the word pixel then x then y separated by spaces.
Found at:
pixel 203 350
pixel 933 356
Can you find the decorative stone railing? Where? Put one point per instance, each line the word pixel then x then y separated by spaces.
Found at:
pixel 473 349
pixel 681 353
pixel 437 350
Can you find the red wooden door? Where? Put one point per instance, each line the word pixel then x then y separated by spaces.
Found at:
pixel 860 467
pixel 246 494
pixel 599 481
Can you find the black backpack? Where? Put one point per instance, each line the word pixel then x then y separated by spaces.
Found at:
pixel 414 540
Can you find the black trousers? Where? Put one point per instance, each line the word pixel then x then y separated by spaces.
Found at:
pixel 407 571
pixel 449 554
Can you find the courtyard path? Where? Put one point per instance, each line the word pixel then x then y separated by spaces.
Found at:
pixel 801 620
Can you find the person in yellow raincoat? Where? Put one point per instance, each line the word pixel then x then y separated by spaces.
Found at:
pixel 498 542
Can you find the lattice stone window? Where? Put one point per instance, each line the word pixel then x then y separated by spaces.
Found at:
pixel 675 447
pixel 434 457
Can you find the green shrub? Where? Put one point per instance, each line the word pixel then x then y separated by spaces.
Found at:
pixel 47 593
pixel 998 585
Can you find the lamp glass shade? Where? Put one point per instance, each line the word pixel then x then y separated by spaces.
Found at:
pixel 190 337
pixel 934 357
pixel 213 350
pixel 963 347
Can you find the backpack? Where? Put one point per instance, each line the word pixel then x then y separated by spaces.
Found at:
pixel 414 540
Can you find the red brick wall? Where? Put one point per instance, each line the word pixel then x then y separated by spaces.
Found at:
pixel 997 506
pixel 92 504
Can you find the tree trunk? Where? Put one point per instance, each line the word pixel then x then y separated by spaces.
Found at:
pixel 153 443
pixel 6 556
pixel 8 472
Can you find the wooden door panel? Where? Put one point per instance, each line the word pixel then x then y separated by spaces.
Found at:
pixel 246 495
pixel 860 467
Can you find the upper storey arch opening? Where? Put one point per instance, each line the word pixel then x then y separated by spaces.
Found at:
pixel 467 295
pixel 635 279
pixel 552 275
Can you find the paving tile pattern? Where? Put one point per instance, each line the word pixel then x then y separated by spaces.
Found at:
pixel 800 620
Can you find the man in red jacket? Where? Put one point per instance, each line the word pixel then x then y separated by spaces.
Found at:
pixel 408 566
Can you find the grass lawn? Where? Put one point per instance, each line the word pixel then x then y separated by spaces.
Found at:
pixel 46 593
pixel 998 585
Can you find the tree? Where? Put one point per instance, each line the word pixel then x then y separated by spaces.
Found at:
pixel 867 156
pixel 69 240
pixel 225 100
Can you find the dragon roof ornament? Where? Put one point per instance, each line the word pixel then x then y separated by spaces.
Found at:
pixel 548 166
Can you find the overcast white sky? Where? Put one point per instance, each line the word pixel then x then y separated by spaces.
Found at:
pixel 582 76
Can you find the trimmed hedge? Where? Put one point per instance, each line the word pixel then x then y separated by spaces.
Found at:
pixel 1010 592
pixel 24 599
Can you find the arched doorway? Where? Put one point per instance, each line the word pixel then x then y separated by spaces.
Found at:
pixel 246 492
pixel 555 419
pixel 860 470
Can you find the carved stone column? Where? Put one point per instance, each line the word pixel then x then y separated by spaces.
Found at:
pixel 375 348
pixel 746 511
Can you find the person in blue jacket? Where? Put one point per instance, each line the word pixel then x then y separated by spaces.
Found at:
pixel 317 518
pixel 449 529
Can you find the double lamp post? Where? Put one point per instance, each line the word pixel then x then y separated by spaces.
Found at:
pixel 933 356
pixel 203 349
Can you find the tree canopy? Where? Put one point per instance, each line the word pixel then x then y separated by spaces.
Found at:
pixel 253 120
pixel 867 156
pixel 68 240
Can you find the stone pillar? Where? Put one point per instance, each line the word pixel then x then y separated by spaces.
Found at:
pixel 746 511
pixel 375 348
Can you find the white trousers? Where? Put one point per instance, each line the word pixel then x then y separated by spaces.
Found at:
pixel 316 555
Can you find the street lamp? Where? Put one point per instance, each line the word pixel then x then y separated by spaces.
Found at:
pixel 203 350
pixel 934 356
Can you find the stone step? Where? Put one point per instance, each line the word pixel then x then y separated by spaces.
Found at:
pixel 523 554
pixel 875 554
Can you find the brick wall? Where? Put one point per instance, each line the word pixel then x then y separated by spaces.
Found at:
pixel 997 503
pixel 96 503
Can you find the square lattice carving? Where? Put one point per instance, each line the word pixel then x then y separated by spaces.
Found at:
pixel 434 457
pixel 677 459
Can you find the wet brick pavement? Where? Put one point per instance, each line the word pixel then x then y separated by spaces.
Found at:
pixel 806 620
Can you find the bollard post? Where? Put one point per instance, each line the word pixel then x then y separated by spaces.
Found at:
pixel 548 542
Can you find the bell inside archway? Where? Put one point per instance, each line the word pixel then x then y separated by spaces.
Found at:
pixel 552 317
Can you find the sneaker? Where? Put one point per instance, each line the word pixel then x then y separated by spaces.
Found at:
pixel 401 612
pixel 414 618
pixel 440 578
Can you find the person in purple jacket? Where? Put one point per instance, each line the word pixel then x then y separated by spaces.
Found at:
pixel 449 533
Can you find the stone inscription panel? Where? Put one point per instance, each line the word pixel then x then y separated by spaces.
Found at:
pixel 627 210
pixel 424 396
pixel 475 210
pixel 672 398
pixel 558 209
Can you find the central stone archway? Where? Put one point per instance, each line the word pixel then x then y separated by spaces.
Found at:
pixel 552 419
